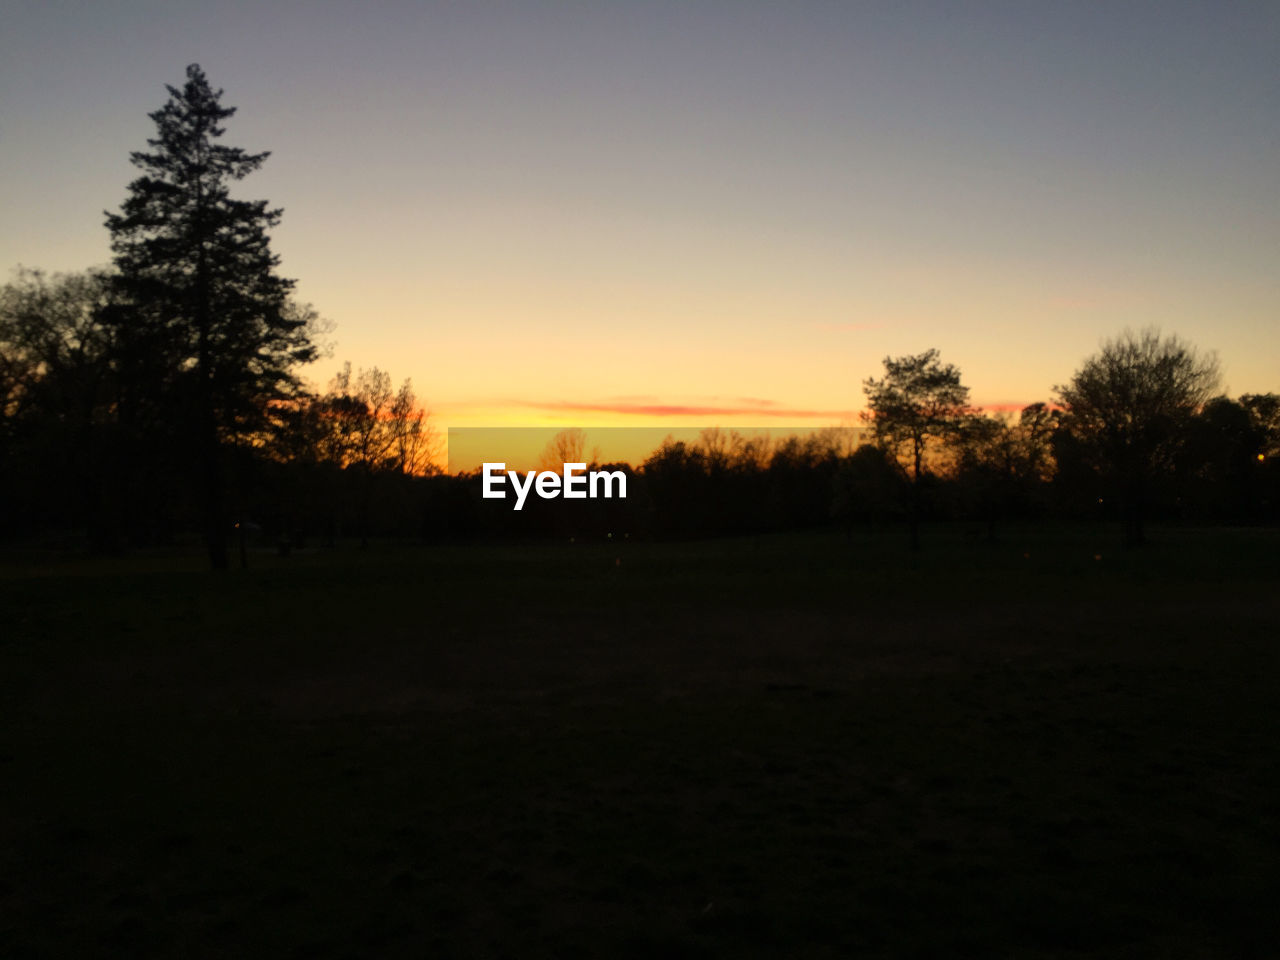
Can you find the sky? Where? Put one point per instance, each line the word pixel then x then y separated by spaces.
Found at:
pixel 697 213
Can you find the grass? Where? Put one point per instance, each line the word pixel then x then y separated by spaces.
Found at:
pixel 783 746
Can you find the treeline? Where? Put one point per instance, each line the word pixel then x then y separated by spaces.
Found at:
pixel 75 461
pixel 986 470
pixel 162 395
pixel 161 398
pixel 355 460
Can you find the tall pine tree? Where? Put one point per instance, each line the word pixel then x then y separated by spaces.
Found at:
pixel 207 339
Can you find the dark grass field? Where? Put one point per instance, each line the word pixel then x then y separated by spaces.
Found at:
pixel 792 746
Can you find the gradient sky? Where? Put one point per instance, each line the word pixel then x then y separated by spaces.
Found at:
pixel 721 213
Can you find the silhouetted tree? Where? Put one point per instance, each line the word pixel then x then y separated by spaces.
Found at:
pixel 1219 462
pixel 984 449
pixel 56 394
pixel 567 446
pixel 358 409
pixel 866 487
pixel 675 478
pixel 917 401
pixel 54 348
pixel 207 340
pixel 1038 423
pixel 801 477
pixel 1129 406
pixel 716 446
pixel 365 425
pixel 366 434
pixel 1264 414
pixel 1001 463
pixel 752 453
pixel 414 439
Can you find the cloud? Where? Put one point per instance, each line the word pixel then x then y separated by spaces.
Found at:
pixel 1009 406
pixel 1001 406
pixel 648 399
pixel 747 406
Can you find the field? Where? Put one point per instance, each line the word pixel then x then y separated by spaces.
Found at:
pixel 787 746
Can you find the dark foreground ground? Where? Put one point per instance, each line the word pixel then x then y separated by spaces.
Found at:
pixel 758 748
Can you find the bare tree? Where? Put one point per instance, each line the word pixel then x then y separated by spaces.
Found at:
pixel 752 453
pixel 1129 406
pixel 367 428
pixel 355 409
pixel 999 461
pixel 57 398
pixel 54 348
pixel 567 446
pixel 716 446
pixel 414 439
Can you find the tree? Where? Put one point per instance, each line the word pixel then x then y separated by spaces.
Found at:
pixel 53 346
pixel 1218 462
pixel 866 487
pixel 567 446
pixel 371 428
pixel 415 440
pixel 369 432
pixel 56 394
pixel 1264 414
pixel 208 341
pixel 357 410
pixel 1001 464
pixel 1130 405
pixel 917 401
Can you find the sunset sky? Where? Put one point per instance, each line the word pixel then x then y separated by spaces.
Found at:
pixel 712 213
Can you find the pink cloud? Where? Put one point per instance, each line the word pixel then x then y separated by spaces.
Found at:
pixel 1001 406
pixel 650 399
pixel 1009 406
pixel 764 408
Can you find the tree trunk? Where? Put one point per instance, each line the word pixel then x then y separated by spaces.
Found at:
pixel 214 529
pixel 1135 534
pixel 913 509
